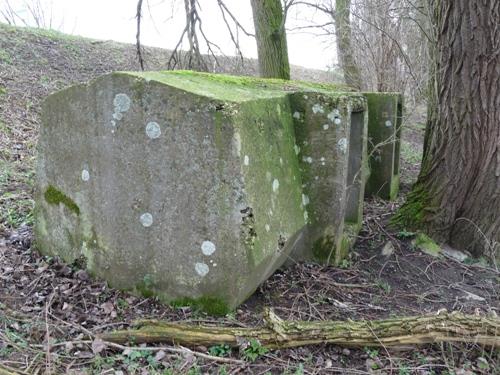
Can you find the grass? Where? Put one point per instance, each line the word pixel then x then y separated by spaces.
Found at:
pixel 5 56
pixel 16 204
pixel 410 153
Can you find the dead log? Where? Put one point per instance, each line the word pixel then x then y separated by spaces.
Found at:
pixel 278 333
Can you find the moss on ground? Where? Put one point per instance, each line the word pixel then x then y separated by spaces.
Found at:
pixel 426 244
pixel 55 197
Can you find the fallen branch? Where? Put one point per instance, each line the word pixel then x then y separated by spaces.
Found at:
pixel 6 370
pixel 278 333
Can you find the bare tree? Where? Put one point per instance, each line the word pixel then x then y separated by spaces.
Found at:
pixel 38 13
pixel 381 44
pixel 194 33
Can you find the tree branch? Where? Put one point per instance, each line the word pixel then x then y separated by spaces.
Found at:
pixel 277 333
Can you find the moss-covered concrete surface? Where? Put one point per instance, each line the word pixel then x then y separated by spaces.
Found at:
pixel 193 186
pixel 384 137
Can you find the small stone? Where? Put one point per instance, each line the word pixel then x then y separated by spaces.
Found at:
pixel 473 297
pixel 160 355
pixel 82 275
pixel 328 363
pixel 346 351
pixel 453 253
pixel 388 249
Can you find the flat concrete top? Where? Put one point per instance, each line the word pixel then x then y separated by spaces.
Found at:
pixel 235 88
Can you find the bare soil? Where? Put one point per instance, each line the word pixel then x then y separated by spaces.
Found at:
pixel 50 312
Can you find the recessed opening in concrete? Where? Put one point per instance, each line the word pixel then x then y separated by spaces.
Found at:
pixel 354 171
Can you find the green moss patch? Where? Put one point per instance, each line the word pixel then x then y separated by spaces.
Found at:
pixel 233 88
pixel 210 305
pixel 324 249
pixel 427 245
pixel 411 215
pixel 55 197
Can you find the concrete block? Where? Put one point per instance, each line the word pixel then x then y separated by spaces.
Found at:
pixel 384 135
pixel 189 186
pixel 331 144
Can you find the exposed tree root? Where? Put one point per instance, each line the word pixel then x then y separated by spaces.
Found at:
pixel 278 333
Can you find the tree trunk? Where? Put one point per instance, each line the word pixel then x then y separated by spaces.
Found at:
pixel 457 195
pixel 444 327
pixel 270 33
pixel 352 73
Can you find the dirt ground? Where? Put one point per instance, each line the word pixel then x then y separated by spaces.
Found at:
pixel 51 312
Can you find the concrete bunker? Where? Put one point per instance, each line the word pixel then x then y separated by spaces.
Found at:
pixel 196 187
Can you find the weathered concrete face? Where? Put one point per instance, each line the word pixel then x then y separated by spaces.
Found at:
pixel 384 134
pixel 185 186
pixel 331 146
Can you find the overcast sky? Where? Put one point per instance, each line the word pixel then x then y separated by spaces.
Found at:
pixel 163 23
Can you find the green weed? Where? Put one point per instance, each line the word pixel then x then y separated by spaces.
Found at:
pixel 222 350
pixel 254 350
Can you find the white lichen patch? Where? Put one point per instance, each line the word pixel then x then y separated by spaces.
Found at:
pixel 337 121
pixel 296 115
pixel 85 175
pixel 153 130
pixel 121 103
pixel 268 228
pixel 146 219
pixel 306 216
pixel 326 126
pixel 201 269
pixel 208 248
pixel 388 124
pixel 246 160
pixel 276 185
pixel 297 149
pixel 305 200
pixel 333 115
pixel 307 159
pixel 281 161
pixel 318 108
pixel 342 145
pixel 237 143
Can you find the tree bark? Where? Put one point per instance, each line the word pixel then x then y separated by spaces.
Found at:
pixel 457 195
pixel 270 34
pixel 352 73
pixel 444 327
